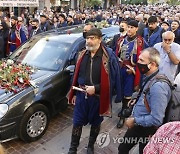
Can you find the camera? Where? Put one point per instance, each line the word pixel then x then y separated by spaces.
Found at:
pixel 127 112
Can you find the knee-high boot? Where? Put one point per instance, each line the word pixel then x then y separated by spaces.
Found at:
pixel 92 138
pixel 122 119
pixel 76 135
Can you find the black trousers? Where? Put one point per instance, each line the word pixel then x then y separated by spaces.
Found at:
pixel 133 136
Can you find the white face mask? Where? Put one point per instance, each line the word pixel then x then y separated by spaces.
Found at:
pixel 126 16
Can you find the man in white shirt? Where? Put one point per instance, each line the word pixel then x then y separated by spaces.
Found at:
pixel 169 55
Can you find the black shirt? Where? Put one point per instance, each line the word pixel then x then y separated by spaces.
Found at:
pixel 90 70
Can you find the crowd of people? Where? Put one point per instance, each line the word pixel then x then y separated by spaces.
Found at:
pixel 16 30
pixel 148 44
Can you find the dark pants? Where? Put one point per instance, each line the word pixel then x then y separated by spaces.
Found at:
pixel 86 110
pixel 135 135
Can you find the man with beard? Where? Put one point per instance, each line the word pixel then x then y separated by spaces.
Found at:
pixel 153 34
pixel 17 35
pixel 128 49
pixel 97 74
pixel 149 110
pixel 35 28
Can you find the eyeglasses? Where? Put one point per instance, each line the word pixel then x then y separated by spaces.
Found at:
pixel 168 40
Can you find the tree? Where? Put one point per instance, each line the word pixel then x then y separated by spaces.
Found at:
pixel 89 3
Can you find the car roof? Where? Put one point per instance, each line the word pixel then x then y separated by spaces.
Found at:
pixel 68 38
pixel 70 34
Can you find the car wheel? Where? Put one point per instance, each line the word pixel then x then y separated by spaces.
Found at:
pixel 34 123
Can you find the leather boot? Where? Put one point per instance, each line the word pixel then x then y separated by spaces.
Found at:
pixel 120 123
pixel 92 138
pixel 124 106
pixel 76 135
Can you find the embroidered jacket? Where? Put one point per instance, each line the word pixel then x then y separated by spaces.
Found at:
pixel 110 80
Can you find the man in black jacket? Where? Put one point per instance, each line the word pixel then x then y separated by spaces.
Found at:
pixel 4 31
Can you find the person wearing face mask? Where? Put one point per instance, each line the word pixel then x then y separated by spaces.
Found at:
pixel 86 28
pixel 170 55
pixel 143 123
pixel 128 49
pixel 35 28
pixel 127 16
pixel 123 30
pixel 97 74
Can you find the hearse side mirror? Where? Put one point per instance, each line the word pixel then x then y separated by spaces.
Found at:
pixel 70 68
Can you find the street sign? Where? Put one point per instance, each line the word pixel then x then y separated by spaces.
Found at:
pixel 19 3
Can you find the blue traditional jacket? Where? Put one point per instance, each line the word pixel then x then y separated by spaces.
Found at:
pixel 110 80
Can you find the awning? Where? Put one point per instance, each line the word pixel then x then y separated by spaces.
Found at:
pixel 19 3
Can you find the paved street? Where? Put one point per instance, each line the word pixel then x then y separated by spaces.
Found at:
pixel 57 138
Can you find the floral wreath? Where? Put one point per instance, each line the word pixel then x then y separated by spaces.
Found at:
pixel 14 77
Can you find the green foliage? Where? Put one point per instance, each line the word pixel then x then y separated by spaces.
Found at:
pixel 173 2
pixel 134 2
pixel 93 2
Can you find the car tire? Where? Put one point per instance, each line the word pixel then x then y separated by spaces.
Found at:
pixel 34 123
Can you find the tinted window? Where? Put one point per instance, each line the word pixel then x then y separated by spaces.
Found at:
pixel 44 54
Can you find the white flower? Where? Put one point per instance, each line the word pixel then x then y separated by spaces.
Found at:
pixel 21 80
pixel 10 62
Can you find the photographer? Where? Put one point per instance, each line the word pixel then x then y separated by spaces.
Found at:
pixel 143 122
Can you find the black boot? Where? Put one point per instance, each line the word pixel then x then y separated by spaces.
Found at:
pixel 92 138
pixel 120 123
pixel 76 135
pixel 120 114
pixel 124 106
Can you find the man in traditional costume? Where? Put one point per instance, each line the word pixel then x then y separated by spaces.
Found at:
pixel 128 49
pixel 97 74
pixel 17 35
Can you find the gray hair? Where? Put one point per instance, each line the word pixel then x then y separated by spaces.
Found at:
pixel 154 55
pixel 168 33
